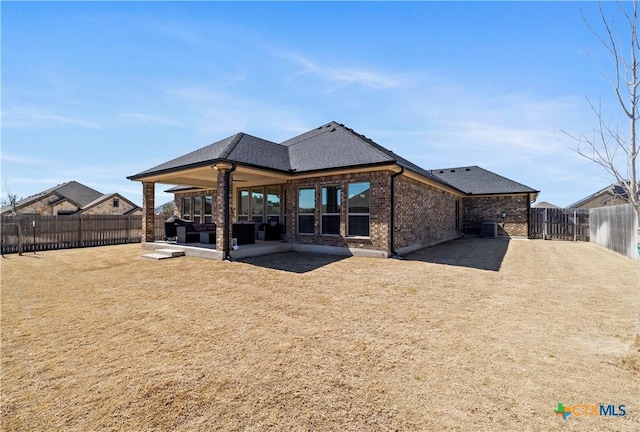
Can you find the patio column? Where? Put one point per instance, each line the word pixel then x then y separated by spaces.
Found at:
pixel 148 216
pixel 223 216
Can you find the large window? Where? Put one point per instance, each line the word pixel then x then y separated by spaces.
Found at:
pixel 257 205
pixel 186 208
pixel 197 209
pixel 208 205
pixel 306 210
pixel 358 213
pixel 243 205
pixel 253 207
pixel 273 204
pixel 331 198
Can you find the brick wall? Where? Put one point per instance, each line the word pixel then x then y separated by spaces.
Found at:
pixel 379 207
pixel 107 208
pixel 424 214
pixel 489 209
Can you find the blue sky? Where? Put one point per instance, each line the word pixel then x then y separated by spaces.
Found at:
pixel 99 91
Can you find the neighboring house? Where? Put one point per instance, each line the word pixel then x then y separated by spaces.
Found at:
pixel 167 209
pixel 613 194
pixel 336 191
pixel 73 198
pixel 544 204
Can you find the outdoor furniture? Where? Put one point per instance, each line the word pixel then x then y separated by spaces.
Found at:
pixel 194 233
pixel 171 225
pixel 245 233
pixel 271 231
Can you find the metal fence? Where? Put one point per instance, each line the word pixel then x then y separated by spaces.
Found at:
pixel 614 227
pixel 39 233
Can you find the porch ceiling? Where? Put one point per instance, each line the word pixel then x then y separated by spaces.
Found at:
pixel 206 177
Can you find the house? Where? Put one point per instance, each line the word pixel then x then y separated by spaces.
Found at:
pixel 73 198
pixel 334 190
pixel 544 204
pixel 167 209
pixel 611 195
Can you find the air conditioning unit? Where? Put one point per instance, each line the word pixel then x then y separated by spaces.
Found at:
pixel 489 230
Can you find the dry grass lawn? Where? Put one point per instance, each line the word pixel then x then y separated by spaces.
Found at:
pixel 470 335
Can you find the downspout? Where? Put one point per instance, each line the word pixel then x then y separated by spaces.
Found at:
pixel 227 212
pixel 394 253
pixel 529 216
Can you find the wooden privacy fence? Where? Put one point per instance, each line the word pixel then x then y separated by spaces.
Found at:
pixel 41 233
pixel 614 227
pixel 559 224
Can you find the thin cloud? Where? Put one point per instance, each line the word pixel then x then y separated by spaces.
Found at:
pixel 342 76
pixel 27 117
pixel 146 118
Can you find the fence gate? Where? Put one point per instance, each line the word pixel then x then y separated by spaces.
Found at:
pixel 559 224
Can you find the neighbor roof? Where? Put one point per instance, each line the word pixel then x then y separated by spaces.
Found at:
pixel 73 191
pixel 328 147
pixel 613 190
pixel 474 180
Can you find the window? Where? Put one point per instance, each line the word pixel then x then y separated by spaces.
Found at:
pixel 331 198
pixel 197 209
pixel 208 205
pixel 358 214
pixel 257 205
pixel 457 215
pixel 273 204
pixel 306 210
pixel 186 208
pixel 243 205
pixel 116 202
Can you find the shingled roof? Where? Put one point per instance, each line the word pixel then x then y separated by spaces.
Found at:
pixel 73 191
pixel 240 148
pixel 474 180
pixel 328 147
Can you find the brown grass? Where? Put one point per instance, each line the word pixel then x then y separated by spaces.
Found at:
pixel 470 335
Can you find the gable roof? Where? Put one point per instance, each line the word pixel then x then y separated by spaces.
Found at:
pixel 77 193
pixel 474 180
pixel 105 197
pixel 544 204
pixel 613 190
pixel 328 147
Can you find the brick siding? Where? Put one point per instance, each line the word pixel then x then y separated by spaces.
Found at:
pixel 424 215
pixel 379 210
pixel 489 209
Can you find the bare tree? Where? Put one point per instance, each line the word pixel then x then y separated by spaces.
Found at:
pixel 10 200
pixel 614 146
pixel 611 145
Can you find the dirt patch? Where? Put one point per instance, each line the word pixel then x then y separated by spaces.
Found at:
pixel 470 335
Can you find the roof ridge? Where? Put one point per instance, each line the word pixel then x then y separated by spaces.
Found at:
pixel 234 142
pixel 372 143
pixel 309 132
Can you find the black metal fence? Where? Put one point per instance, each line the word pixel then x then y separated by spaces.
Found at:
pixel 39 233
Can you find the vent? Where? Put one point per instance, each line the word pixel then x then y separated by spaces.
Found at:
pixel 467 169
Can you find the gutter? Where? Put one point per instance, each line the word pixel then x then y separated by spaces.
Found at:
pixel 394 253
pixel 227 212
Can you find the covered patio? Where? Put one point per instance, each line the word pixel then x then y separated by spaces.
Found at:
pixel 217 177
pixel 209 251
